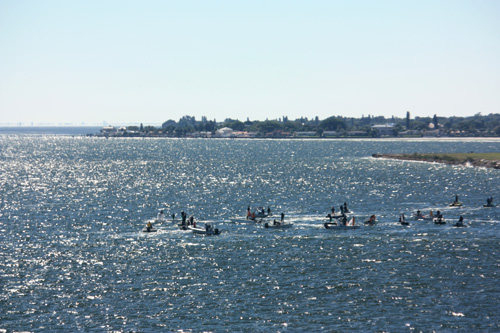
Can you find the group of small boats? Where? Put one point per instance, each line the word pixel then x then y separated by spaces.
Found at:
pixel 185 224
pixel 439 219
pixel 342 221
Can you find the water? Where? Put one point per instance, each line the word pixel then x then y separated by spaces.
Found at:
pixel 47 130
pixel 72 256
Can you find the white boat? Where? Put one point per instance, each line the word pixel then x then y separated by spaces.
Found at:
pixel 331 217
pixel 256 219
pixel 439 220
pixel 246 220
pixel 204 231
pixel 424 218
pixel 339 226
pixel 160 218
pixel 259 213
pixel 278 225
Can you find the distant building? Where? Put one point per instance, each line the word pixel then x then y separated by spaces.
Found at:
pixel 202 134
pixel 243 134
pixel 331 134
pixel 278 134
pixel 108 131
pixel 434 133
pixel 224 132
pixel 305 134
pixel 385 129
pixel 357 133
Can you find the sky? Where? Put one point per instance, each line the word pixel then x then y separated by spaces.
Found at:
pixel 125 62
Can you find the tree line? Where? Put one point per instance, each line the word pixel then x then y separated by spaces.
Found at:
pixel 477 125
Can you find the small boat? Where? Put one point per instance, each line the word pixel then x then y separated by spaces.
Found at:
pixel 402 220
pixel 160 218
pixel 260 213
pixel 183 226
pixel 151 229
pixel 489 203
pixel 421 217
pixel 460 223
pixel 424 218
pixel 331 217
pixel 204 231
pixel 371 221
pixel 439 220
pixel 255 219
pixel 456 203
pixel 340 226
pixel 278 225
pixel 245 220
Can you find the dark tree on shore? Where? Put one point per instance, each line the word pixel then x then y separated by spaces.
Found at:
pixel 332 124
pixel 435 122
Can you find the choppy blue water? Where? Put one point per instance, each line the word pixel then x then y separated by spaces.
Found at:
pixel 72 256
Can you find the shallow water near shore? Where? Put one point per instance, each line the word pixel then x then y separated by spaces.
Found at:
pixel 73 256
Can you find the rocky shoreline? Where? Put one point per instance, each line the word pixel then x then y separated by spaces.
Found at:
pixel 442 158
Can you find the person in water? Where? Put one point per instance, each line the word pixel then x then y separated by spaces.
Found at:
pixel 269 211
pixel 160 215
pixel 345 208
pixel 149 226
pixel 460 222
pixel 439 216
pixel 282 217
pixel 173 216
pixel 456 198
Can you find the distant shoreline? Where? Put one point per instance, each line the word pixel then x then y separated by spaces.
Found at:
pixel 485 160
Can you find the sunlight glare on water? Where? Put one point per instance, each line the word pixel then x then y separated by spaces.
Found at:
pixel 73 256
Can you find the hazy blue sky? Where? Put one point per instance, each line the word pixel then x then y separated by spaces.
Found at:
pixel 129 62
